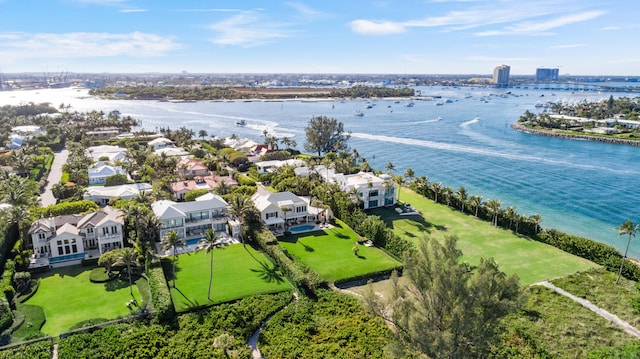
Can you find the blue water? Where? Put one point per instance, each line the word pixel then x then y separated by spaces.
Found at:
pixel 585 188
pixel 306 227
pixel 190 242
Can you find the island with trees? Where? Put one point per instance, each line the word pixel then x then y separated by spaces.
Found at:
pixel 440 273
pixel 612 121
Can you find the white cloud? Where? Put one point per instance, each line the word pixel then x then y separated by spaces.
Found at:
pixel 612 28
pixel 568 46
pixel 127 11
pixel 17 46
pixel 368 27
pixel 305 10
pixel 101 2
pixel 537 27
pixel 207 10
pixel 248 30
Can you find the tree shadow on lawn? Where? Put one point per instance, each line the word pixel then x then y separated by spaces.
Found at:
pixel 421 225
pixel 70 271
pixel 186 301
pixel 266 272
pixel 167 268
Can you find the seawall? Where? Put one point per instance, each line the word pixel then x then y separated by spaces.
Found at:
pixel 570 136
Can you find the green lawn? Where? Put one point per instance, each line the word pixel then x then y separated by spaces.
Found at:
pixel 238 271
pixel 329 253
pixel 532 261
pixel 68 297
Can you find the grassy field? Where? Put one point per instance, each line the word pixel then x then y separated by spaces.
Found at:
pixel 68 297
pixel 530 260
pixel 238 271
pixel 329 253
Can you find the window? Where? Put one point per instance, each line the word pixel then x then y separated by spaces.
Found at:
pixel 272 214
pixel 105 231
pixel 114 229
pixel 42 236
pixel 373 193
pixel 90 230
pixel 373 203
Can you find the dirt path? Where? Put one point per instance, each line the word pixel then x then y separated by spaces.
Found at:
pixel 253 340
pixel 603 313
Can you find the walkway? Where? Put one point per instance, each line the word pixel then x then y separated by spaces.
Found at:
pixel 55 174
pixel 603 313
pixel 253 340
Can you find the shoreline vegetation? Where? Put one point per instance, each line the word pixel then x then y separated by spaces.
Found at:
pixel 215 93
pixel 573 136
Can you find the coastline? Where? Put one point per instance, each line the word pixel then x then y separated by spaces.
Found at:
pixel 570 136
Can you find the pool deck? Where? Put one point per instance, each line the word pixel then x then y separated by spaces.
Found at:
pixel 225 241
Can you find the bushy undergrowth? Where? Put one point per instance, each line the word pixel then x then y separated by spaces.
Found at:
pixel 39 350
pixel 334 325
pixel 160 295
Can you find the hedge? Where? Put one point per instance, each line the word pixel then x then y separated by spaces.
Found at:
pixel 160 295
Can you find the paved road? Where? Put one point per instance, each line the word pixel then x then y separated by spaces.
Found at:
pixel 603 313
pixel 46 198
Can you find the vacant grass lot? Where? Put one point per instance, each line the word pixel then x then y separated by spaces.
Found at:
pixel 238 271
pixel 532 261
pixel 329 253
pixel 68 297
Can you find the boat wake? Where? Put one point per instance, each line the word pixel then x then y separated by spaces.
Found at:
pixel 470 122
pixel 486 152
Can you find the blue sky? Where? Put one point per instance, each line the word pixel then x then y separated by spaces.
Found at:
pixel 582 37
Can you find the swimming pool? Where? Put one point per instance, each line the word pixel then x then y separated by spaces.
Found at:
pixel 192 241
pixel 303 228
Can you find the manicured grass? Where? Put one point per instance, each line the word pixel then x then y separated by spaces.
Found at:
pixel 68 297
pixel 532 261
pixel 238 271
pixel 329 253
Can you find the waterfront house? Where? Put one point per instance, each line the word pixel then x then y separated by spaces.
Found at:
pixel 113 153
pixel 268 166
pixel 190 167
pixel 190 220
pixel 160 142
pixel 279 211
pixel 67 240
pixel 374 191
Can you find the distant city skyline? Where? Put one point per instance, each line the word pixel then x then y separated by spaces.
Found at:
pixel 413 37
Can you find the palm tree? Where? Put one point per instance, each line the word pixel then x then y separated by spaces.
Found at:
pixel 536 219
pixel 129 258
pixel 409 174
pixel 208 243
pixel 171 241
pixel 629 229
pixel 238 207
pixel 511 214
pixel 390 167
pixel 446 194
pixel 202 134
pixel 493 206
pixel 461 196
pixel 475 202
pixel 436 188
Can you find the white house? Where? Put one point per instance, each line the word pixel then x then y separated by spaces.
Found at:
pixel 190 220
pixel 280 210
pixel 268 166
pixel 67 240
pixel 374 191
pixel 114 153
pixel 99 173
pixel 102 195
pixel 160 142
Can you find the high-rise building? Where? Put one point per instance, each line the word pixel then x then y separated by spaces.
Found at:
pixel 501 76
pixel 544 74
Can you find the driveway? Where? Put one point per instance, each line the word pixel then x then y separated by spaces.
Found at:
pixel 46 198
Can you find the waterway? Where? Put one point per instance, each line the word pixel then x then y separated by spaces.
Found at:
pixel 584 188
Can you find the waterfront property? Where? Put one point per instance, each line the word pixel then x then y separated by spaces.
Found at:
pixel 238 271
pixel 112 153
pixel 330 253
pixel 268 166
pixel 279 211
pixel 67 240
pixel 532 261
pixel 191 167
pixel 374 191
pixel 190 220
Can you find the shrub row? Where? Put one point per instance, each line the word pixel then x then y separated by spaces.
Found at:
pixel 7 281
pixel 38 350
pixel 596 252
pixel 160 295
pixel 63 208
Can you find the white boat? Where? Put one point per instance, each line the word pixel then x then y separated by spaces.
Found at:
pixel 358 113
pixel 410 104
pixel 241 123
pixel 439 103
